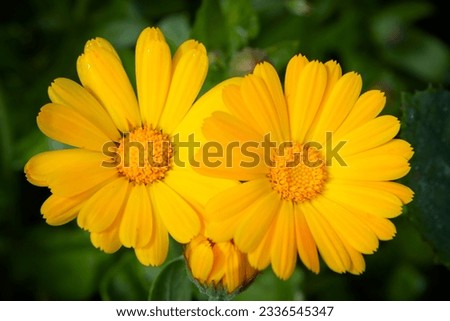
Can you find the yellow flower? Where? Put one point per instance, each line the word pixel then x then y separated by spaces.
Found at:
pixel 317 165
pixel 125 181
pixel 218 266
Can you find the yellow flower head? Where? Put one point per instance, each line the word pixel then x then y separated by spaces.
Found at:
pixel 218 266
pixel 317 165
pixel 123 180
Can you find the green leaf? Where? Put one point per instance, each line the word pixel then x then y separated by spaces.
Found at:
pixel 172 283
pixel 59 263
pixel 426 126
pixel 127 279
pixel 225 25
pixel 242 22
pixel 176 29
pixel 210 26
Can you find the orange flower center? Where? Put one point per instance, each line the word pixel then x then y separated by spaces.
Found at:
pixel 298 173
pixel 144 155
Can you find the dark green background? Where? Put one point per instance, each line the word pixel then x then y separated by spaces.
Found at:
pixel 398 46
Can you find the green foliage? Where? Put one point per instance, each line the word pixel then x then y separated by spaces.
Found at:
pixel 427 127
pixel 172 283
pixel 396 47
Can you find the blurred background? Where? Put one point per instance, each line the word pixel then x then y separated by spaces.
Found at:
pixel 400 47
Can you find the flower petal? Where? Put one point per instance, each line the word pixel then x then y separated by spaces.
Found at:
pixel 189 72
pixel 101 210
pixel 178 216
pixel 136 227
pixel 283 250
pixel 195 188
pixel 231 206
pixel 257 222
pixel 307 93
pixel 153 74
pixel 348 225
pixel 108 241
pixel 209 102
pixel 306 246
pixel 373 133
pixel 404 193
pixel 365 198
pixel 200 259
pixel 155 252
pixel 69 172
pixel 260 257
pixel 328 242
pixel 101 72
pixel 65 125
pixel 337 106
pixel 371 168
pixel 257 97
pixel 70 94
pixel 58 210
pixel 270 77
pixel 367 107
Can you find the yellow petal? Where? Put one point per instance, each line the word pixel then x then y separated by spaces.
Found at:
pixel 189 72
pixel 404 193
pixel 373 133
pixel 283 250
pixel 335 109
pixel 371 168
pixel 234 270
pixel 69 172
pixel 231 161
pixel 306 246
pixel 367 107
pixel 195 188
pixel 334 73
pixel 328 242
pixel 383 228
pixel 180 219
pixel 394 147
pixel 348 225
pixel 108 241
pixel 236 106
pixel 257 222
pixel 357 265
pixel 220 251
pixel 306 98
pixel 155 252
pixel 153 74
pixel 65 125
pixel 257 97
pixel 232 205
pixel 294 68
pixel 101 72
pixel 208 103
pixel 201 260
pixel 101 210
pixel 59 210
pixel 260 257
pixel 270 76
pixel 364 198
pixel 71 95
pixel 233 151
pixel 136 227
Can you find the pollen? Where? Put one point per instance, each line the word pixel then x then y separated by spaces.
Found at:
pixel 298 172
pixel 144 155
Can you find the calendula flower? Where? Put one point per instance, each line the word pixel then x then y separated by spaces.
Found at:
pixel 218 267
pixel 317 165
pixel 124 179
